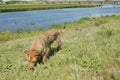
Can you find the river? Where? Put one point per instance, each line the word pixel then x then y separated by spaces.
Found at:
pixel 12 21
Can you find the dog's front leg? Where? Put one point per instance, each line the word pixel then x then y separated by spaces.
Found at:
pixel 58 41
pixel 46 54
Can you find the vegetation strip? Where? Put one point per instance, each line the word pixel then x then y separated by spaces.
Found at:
pixel 25 7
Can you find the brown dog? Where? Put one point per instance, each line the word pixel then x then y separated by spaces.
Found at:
pixel 42 45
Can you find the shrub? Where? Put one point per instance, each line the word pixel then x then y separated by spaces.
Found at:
pixel 99 21
pixel 109 31
pixel 85 19
pixel 5 36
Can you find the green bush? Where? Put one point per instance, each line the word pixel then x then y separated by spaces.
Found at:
pixel 108 31
pixel 6 36
pixel 85 19
pixel 99 21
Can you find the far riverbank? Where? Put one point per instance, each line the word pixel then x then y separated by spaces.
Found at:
pixel 27 7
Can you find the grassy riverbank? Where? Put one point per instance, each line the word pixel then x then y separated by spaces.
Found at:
pixel 25 7
pixel 90 51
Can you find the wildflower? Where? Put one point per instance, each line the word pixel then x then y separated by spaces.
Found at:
pixel 69 78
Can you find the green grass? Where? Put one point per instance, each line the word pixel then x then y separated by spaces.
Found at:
pixel 90 51
pixel 7 35
pixel 25 7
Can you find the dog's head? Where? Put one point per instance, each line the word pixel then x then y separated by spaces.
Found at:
pixel 32 57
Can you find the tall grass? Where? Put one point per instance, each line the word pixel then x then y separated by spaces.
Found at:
pixel 89 52
pixel 21 33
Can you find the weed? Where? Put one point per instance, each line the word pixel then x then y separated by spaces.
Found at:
pixel 108 31
pixel 6 36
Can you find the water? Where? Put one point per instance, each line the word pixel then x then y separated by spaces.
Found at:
pixel 12 21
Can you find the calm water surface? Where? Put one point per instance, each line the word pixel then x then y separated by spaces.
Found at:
pixel 13 21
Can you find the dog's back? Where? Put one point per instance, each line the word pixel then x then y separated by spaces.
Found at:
pixel 43 41
pixel 39 43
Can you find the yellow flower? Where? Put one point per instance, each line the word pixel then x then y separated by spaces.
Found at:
pixel 69 78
